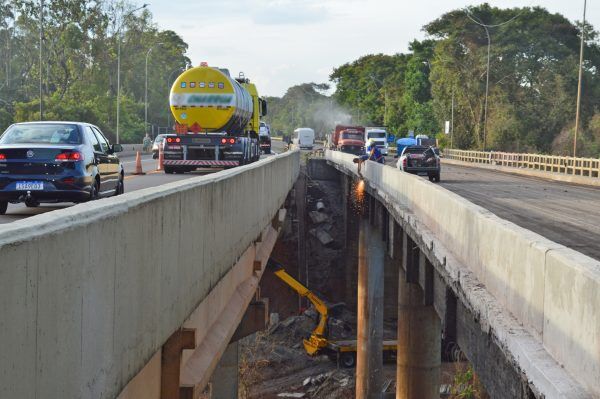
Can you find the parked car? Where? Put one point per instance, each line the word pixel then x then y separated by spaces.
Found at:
pixel 57 162
pixel 159 141
pixel 420 160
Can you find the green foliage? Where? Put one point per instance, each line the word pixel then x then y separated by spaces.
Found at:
pixel 533 76
pixel 79 64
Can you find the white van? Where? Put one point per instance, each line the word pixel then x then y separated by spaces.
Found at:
pixel 304 137
pixel 379 135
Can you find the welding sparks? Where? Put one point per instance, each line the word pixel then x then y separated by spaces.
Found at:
pixel 358 196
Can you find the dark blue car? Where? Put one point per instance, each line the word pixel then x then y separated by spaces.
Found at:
pixel 57 162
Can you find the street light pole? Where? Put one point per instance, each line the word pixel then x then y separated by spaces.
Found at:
pixel 146 91
pixel 168 83
pixel 580 79
pixel 487 78
pixel 119 65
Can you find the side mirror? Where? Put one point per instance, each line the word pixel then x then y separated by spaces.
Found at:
pixel 116 148
pixel 263 107
pixel 356 160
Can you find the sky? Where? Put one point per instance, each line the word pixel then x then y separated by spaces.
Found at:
pixel 282 43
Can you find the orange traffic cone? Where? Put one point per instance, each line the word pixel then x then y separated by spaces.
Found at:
pixel 161 159
pixel 138 165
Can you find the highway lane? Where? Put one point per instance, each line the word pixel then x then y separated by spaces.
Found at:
pixel 152 178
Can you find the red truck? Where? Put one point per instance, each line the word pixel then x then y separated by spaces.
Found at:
pixel 350 139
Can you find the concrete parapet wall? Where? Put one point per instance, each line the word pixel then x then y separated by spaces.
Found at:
pixel 90 293
pixel 553 291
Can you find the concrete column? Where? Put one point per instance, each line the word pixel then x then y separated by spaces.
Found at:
pixel 224 381
pixel 419 337
pixel 371 252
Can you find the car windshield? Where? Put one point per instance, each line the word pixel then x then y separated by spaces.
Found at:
pixel 159 139
pixel 39 133
pixel 376 135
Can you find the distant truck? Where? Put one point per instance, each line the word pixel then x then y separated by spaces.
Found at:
pixel 349 139
pixel 304 138
pixel 379 135
pixel 264 138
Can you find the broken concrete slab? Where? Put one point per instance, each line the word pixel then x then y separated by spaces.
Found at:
pixel 318 217
pixel 323 236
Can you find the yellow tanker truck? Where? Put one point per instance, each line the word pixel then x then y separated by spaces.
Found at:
pixel 217 120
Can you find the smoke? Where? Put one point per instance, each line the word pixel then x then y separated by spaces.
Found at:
pixel 327 115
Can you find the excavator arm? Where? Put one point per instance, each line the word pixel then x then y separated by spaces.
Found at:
pixel 318 338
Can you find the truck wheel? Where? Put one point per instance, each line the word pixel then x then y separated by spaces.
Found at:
pixel 436 177
pixel 169 170
pixel 431 177
pixel 3 207
pixel 268 151
pixel 348 359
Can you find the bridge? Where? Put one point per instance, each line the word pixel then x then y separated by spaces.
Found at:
pixel 164 282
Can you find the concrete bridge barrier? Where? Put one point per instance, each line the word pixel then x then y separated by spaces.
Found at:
pixel 551 290
pixel 88 294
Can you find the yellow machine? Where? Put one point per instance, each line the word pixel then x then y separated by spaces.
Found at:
pixel 344 352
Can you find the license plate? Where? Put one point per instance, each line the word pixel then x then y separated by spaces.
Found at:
pixel 200 140
pixel 30 185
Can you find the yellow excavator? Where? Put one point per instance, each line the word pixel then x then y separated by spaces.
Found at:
pixel 318 343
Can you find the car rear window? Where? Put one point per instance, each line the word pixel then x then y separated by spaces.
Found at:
pixel 39 133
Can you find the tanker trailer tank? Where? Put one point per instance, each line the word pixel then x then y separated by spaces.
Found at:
pixel 207 99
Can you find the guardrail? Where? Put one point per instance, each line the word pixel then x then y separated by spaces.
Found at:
pixel 588 167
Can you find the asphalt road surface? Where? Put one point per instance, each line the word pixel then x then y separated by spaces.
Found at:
pixel 152 178
pixel 565 213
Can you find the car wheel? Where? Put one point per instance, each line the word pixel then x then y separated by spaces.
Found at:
pixel 154 155
pixel 431 178
pixel 3 207
pixel 437 177
pixel 348 359
pixel 120 186
pixel 95 190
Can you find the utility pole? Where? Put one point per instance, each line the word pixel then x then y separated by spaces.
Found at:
pixel 452 120
pixel 580 79
pixel 41 50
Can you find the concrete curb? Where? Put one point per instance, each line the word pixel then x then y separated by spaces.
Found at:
pixel 559 177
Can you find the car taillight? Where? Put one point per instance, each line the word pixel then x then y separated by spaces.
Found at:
pixel 69 156
pixel 223 141
pixel 404 162
pixel 169 140
pixel 2 157
pixel 69 180
pixel 231 141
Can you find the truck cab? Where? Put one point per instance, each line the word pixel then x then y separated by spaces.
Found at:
pixel 379 135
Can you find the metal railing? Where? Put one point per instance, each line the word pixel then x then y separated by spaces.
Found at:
pixel 589 167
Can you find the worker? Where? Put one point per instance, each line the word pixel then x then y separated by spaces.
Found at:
pixel 147 143
pixel 373 155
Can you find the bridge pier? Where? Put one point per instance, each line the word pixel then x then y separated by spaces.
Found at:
pixel 224 380
pixel 419 338
pixel 369 357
